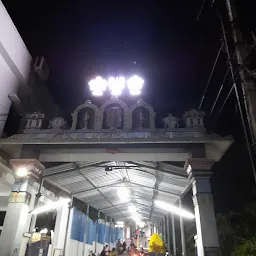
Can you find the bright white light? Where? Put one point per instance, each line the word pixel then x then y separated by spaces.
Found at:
pixel 141 224
pixel 135 84
pixel 97 93
pixel 120 223
pixel 98 86
pixel 174 209
pixel 136 217
pixel 132 209
pixel 116 85
pixel 119 226
pixel 50 206
pixel 135 93
pixel 44 231
pixel 22 172
pixel 123 193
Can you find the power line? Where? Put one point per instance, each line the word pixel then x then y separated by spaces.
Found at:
pixel 210 77
pixel 220 90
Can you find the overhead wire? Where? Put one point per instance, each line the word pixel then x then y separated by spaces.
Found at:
pixel 210 77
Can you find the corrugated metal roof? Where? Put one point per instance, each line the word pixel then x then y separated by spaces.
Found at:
pixel 145 180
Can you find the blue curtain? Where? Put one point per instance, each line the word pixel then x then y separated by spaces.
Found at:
pixel 107 234
pixel 120 234
pixel 78 225
pixel 113 235
pixel 91 232
pixel 101 239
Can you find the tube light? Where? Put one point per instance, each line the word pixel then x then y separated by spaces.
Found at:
pixel 174 209
pixel 51 206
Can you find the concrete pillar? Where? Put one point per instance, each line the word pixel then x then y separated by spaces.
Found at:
pixel 199 171
pixel 182 233
pixel 164 230
pixel 168 233
pixel 154 228
pixel 128 232
pixel 173 236
pixel 22 198
pixel 60 227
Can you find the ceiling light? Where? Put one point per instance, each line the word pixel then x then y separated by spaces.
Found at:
pixel 123 193
pixel 22 172
pixel 174 209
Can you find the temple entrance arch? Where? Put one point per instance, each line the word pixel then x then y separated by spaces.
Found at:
pixel 153 164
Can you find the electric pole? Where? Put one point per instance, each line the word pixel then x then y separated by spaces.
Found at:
pixel 247 76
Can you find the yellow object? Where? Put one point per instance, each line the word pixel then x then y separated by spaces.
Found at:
pixel 156 245
pixel 35 238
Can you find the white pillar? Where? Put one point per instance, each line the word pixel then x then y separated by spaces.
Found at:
pixel 17 218
pixel 168 233
pixel 128 232
pixel 182 233
pixel 60 227
pixel 154 227
pixel 173 236
pixel 164 230
pixel 199 171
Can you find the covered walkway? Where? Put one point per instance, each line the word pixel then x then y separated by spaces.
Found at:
pixel 97 184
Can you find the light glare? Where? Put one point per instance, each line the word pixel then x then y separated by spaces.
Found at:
pixel 174 209
pixel 123 193
pixel 116 85
pixel 132 209
pixel 44 231
pixel 98 86
pixel 135 84
pixel 50 206
pixel 22 172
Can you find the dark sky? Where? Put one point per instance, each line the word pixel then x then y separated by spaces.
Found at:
pixel 174 53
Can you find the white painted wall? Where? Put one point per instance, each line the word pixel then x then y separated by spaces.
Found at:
pixel 15 63
pixel 12 42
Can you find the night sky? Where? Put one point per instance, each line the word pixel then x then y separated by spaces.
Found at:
pixel 174 53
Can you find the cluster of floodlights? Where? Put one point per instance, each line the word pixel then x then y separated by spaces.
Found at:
pixel 116 85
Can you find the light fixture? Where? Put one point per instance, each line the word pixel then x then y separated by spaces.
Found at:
pixel 132 209
pixel 116 85
pixel 120 223
pixel 98 86
pixel 135 84
pixel 123 193
pixel 174 209
pixel 50 206
pixel 22 172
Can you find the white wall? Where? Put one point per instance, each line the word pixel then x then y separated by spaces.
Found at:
pixel 13 44
pixel 14 63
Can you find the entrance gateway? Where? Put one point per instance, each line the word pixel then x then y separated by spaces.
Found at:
pixel 97 152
